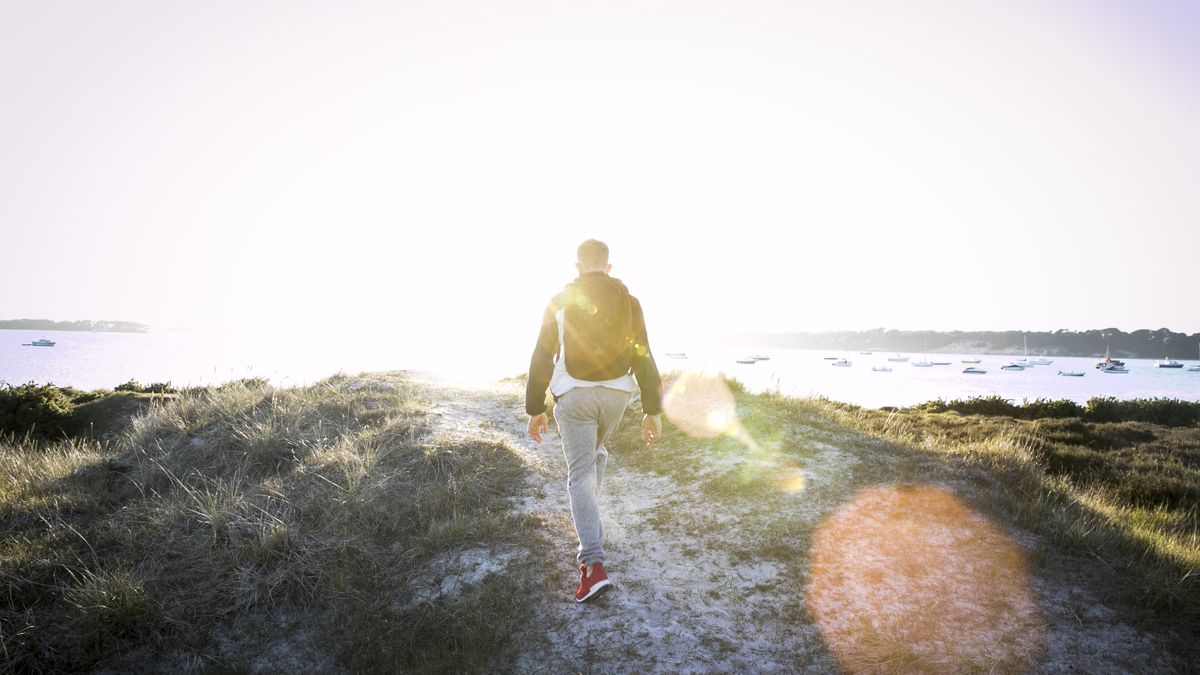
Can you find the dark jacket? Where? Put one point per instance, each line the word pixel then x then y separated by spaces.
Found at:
pixel 547 352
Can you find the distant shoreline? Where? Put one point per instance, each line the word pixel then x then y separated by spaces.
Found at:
pixel 1139 344
pixel 78 326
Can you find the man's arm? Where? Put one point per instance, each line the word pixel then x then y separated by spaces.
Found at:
pixel 541 365
pixel 645 370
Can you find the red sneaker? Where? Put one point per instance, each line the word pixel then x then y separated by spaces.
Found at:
pixel 590 587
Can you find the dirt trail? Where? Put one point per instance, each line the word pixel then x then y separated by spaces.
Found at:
pixel 763 580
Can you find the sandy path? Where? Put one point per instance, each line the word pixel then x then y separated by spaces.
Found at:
pixel 834 574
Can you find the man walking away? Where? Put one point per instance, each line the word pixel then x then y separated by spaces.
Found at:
pixel 591 349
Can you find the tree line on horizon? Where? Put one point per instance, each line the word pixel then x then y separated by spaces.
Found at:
pixel 84 325
pixel 1145 344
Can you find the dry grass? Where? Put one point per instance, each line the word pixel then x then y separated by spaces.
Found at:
pixel 1118 495
pixel 245 527
pixel 328 528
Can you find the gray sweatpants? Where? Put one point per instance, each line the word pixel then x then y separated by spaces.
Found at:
pixel 586 417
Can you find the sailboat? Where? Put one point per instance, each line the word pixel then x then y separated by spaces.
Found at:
pixel 1111 365
pixel 1195 369
pixel 924 363
pixel 1020 364
pixel 1035 361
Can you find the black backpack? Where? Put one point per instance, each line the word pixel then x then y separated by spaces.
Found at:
pixel 597 328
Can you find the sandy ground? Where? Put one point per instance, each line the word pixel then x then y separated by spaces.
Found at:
pixel 853 561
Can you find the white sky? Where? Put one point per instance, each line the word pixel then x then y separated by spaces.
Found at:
pixel 753 165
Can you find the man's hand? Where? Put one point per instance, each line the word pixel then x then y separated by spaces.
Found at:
pixel 538 425
pixel 651 428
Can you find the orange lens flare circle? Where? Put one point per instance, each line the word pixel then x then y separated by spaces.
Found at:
pixel 701 406
pixel 908 579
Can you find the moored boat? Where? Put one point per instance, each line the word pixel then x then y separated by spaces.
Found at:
pixel 841 363
pixel 1071 373
pixel 1012 366
pixel 1169 363
pixel 972 370
pixel 1109 361
pixel 41 342
pixel 898 359
pixel 881 369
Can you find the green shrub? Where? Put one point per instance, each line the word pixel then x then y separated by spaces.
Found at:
pixel 1046 408
pixel 138 388
pixel 40 411
pixel 991 406
pixel 1165 411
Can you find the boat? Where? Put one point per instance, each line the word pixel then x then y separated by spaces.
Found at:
pixel 1036 361
pixel 866 353
pixel 42 342
pixel 924 362
pixel 760 357
pixel 972 370
pixel 1194 369
pixel 1168 363
pixel 1071 373
pixel 881 369
pixel 1013 366
pixel 1109 361
pixel 675 355
pixel 748 359
pixel 899 359
pixel 941 363
pixel 830 358
pixel 970 360
pixel 1111 365
pixel 841 363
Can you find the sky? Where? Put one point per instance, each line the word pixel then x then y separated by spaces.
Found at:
pixel 429 167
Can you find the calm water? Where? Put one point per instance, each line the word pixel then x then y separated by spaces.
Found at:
pixel 806 372
pixel 104 360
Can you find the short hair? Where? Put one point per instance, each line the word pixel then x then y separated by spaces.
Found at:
pixel 592 255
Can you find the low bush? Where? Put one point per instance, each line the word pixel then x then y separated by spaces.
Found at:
pixel 1165 411
pixel 138 388
pixel 996 406
pixel 39 411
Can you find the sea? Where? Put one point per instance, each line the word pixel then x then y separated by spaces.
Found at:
pixel 104 360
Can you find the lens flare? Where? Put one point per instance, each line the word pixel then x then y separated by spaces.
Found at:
pixel 908 579
pixel 701 406
pixel 791 479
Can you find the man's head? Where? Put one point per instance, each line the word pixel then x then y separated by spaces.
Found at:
pixel 592 256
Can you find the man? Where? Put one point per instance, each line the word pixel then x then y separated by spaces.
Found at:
pixel 591 347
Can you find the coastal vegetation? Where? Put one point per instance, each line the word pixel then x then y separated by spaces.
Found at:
pixel 85 325
pixel 1116 481
pixel 333 526
pixel 1145 344
pixel 220 520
